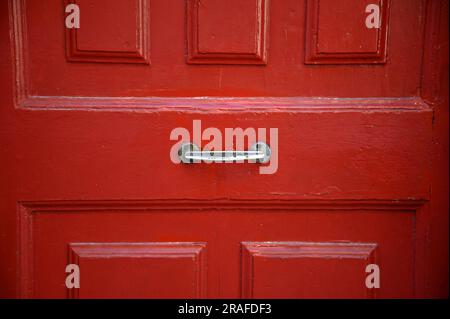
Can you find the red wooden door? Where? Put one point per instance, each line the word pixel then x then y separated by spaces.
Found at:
pixel 350 96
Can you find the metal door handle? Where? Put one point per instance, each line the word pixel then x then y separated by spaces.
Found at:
pixel 190 153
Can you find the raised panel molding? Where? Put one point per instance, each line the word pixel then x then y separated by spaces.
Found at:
pixel 215 41
pixel 26 211
pixel 108 253
pixel 23 98
pixel 288 252
pixel 133 44
pixel 336 33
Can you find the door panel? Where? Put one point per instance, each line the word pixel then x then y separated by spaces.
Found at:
pixel 305 268
pixel 174 249
pixel 154 270
pixel 129 43
pixel 112 155
pixel 167 32
pixel 334 38
pixel 86 121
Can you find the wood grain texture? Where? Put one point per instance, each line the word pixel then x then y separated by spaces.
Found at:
pixel 433 220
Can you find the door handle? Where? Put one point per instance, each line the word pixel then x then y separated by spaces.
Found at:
pixel 190 153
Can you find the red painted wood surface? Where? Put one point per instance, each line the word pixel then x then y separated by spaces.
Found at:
pixel 334 38
pixel 86 178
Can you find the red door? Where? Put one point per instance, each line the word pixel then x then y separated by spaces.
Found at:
pixel 350 96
